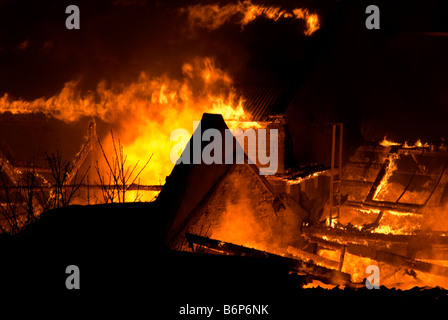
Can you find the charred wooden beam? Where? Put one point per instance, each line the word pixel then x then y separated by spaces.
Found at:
pixel 380 176
pixel 372 226
pixel 385 256
pixel 314 258
pixel 81 156
pixel 326 244
pixel 416 150
pixel 385 205
pixel 357 183
pixel 12 173
pixel 421 246
pixel 341 258
pixel 411 207
pixel 366 238
pixel 342 236
pixel 396 260
pixel 323 274
pixel 363 165
pixel 403 172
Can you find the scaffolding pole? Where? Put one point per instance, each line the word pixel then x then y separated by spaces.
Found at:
pixel 335 178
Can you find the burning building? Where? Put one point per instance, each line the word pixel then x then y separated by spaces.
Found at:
pixel 342 198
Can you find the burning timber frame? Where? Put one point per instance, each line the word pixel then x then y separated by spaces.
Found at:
pixel 398 251
pixel 328 271
pixel 14 176
pixel 301 266
pixel 79 159
pixel 373 253
pixel 371 203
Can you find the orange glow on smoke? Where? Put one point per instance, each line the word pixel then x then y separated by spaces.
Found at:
pixel 213 16
pixel 145 112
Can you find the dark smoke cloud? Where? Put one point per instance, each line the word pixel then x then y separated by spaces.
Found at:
pixel 116 41
pixel 119 39
pixel 342 73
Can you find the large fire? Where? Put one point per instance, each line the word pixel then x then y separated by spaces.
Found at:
pixel 145 112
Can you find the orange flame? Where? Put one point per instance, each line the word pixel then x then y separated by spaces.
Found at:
pixel 213 16
pixel 388 143
pixel 145 112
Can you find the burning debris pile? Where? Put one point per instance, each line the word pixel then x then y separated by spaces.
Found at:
pixel 242 215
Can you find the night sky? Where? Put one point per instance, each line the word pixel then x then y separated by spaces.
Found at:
pixel 394 78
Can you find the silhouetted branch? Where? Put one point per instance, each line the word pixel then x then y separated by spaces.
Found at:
pixel 119 175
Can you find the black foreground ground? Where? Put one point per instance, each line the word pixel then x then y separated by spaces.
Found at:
pixel 124 267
